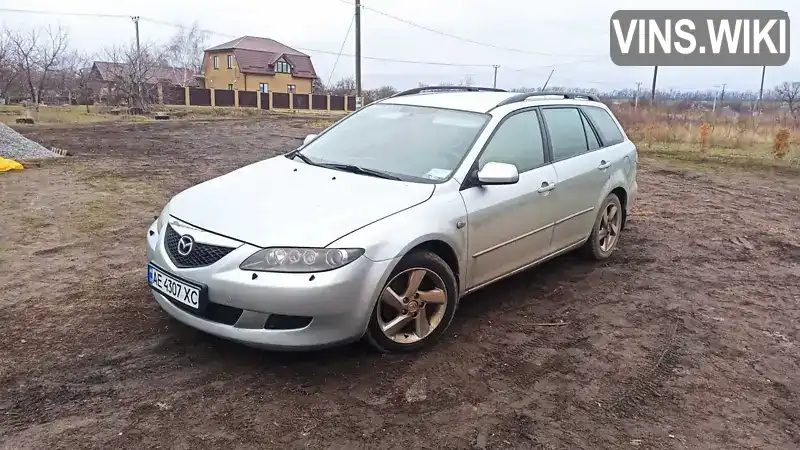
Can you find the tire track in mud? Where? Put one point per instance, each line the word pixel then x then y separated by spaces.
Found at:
pixel 646 383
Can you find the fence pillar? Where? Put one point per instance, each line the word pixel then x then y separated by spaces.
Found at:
pixel 186 98
pixel 258 100
pixel 328 102
pixel 160 89
pixel 310 101
pixel 291 101
pixel 270 100
pixel 236 98
pixel 346 103
pixel 213 100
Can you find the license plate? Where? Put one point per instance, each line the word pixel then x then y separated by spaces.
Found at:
pixel 174 288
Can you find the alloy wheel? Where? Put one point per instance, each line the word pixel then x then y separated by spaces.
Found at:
pixel 610 224
pixel 412 305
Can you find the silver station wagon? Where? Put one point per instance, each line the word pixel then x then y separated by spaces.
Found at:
pixel 376 227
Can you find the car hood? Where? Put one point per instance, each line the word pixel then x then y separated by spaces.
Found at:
pixel 283 202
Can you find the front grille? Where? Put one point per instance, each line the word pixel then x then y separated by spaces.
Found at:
pixel 215 312
pixel 281 322
pixel 200 255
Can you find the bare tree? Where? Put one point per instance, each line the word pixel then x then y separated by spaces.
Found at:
pixel 38 52
pixel 789 93
pixel 9 67
pixel 318 87
pixel 75 75
pixel 127 77
pixel 184 53
pixel 373 95
pixel 345 86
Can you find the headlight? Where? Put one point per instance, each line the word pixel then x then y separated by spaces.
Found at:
pixel 300 260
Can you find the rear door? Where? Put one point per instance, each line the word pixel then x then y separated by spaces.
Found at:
pixel 582 170
pixel 511 225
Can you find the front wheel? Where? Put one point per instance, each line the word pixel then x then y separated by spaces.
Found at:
pixel 415 306
pixel 605 233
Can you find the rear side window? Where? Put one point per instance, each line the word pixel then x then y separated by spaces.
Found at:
pixel 608 129
pixel 567 136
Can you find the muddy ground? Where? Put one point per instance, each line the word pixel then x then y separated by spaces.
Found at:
pixel 686 338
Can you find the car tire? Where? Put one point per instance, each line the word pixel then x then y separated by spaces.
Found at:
pixel 596 247
pixel 439 275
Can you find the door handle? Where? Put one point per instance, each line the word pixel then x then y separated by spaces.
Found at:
pixel 604 165
pixel 546 187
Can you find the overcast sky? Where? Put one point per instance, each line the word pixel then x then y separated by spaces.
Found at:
pixel 569 35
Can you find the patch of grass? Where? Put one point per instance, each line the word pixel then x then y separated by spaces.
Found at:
pixel 34 222
pixel 69 115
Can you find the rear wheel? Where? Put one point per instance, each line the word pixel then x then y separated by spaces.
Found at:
pixel 415 306
pixel 606 230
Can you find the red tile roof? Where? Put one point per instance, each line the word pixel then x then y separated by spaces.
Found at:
pixel 258 56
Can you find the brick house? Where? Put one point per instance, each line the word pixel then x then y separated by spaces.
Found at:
pixel 253 63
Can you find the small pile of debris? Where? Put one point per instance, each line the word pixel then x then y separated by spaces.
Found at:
pixel 16 146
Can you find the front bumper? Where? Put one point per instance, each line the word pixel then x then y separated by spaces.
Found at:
pixel 339 301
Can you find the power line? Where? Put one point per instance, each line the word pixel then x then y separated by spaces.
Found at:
pixel 346 35
pixel 217 33
pixel 328 52
pixel 59 13
pixel 460 38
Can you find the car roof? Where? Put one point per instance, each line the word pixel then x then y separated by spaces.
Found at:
pixel 480 102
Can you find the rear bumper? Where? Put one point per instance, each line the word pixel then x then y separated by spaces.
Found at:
pixel 339 302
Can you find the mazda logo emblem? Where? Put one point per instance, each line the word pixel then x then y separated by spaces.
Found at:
pixel 185 244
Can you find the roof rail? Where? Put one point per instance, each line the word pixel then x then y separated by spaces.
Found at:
pixel 447 88
pixel 566 95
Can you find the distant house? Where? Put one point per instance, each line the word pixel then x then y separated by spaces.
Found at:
pixel 253 63
pixel 104 76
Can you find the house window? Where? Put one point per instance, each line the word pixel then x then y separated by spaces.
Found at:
pixel 263 87
pixel 282 66
pixel 230 86
pixel 291 88
pixel 230 61
pixel 216 62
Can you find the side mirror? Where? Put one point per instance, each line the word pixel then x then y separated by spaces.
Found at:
pixel 494 173
pixel 309 138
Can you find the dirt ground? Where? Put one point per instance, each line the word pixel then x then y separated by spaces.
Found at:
pixel 686 338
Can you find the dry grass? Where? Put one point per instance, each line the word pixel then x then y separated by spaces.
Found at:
pixel 739 140
pixel 64 115
pixel 55 115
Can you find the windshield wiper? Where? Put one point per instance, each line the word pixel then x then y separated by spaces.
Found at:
pixel 303 158
pixel 362 170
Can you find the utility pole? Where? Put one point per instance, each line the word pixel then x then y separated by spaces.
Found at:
pixel 358 54
pixel 495 76
pixel 138 65
pixel 722 97
pixel 653 91
pixel 761 90
pixel 636 100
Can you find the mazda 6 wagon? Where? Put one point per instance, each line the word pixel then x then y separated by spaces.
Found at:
pixel 378 226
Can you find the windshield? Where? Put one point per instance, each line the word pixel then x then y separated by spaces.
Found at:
pixel 413 143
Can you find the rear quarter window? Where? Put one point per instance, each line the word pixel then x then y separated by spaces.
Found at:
pixel 605 124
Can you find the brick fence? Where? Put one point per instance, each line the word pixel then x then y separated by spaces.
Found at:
pixel 176 95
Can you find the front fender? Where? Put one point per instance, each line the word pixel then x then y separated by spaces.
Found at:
pixel 434 220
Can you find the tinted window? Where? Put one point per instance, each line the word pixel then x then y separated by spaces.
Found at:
pixel 591 138
pixel 608 129
pixel 566 132
pixel 517 141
